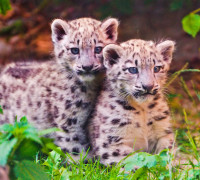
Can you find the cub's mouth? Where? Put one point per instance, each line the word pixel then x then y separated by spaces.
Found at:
pixel 144 94
pixel 87 73
pixel 91 72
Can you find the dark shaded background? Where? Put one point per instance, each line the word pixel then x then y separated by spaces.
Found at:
pixel 25 30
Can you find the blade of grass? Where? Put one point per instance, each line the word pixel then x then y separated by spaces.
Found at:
pixel 194 148
pixel 187 91
pixel 175 75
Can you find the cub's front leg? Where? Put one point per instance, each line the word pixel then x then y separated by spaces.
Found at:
pixel 165 142
pixel 111 152
pixel 112 144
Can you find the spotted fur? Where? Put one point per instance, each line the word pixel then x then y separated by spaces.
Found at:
pixel 61 92
pixel 131 111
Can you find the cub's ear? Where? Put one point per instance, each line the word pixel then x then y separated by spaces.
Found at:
pixel 166 48
pixel 59 28
pixel 110 29
pixel 111 55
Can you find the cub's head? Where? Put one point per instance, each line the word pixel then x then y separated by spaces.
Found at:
pixel 78 44
pixel 138 68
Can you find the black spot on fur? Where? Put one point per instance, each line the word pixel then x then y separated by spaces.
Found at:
pixel 123 124
pixel 151 106
pixel 73 88
pixel 137 125
pixel 115 121
pixel 65 150
pixel 63 116
pixel 95 135
pixel 116 153
pixel 105 145
pixel 166 112
pixel 59 138
pixel 113 164
pixel 149 123
pixel 75 151
pixel 111 96
pixel 61 54
pixel 69 121
pixel 56 112
pixel 78 82
pixel 159 118
pixel 38 104
pixel 118 73
pixel 96 149
pixel 67 139
pixel 112 139
pixel 50 117
pixel 83 89
pixel 35 118
pixel 74 113
pixel 65 128
pixel 85 105
pixel 112 107
pixel 48 104
pixel 168 131
pixel 68 104
pixel 78 103
pixel 19 73
pixel 125 105
pixel 105 156
pixel 156 97
pixel 75 137
pixel 169 147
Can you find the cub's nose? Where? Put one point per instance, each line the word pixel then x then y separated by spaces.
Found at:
pixel 87 68
pixel 148 88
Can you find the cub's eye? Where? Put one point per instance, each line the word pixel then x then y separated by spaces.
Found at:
pixel 157 69
pixel 133 70
pixel 75 50
pixel 98 50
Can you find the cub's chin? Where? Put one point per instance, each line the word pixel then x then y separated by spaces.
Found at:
pixel 87 77
pixel 143 98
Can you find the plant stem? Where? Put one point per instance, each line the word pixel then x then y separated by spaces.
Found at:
pixel 195 11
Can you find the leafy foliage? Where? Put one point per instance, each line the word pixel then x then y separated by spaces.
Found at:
pixel 191 23
pixel 30 171
pixel 4 6
pixel 1 110
pixel 19 144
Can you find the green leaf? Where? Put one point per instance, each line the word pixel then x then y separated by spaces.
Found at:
pixel 4 6
pixel 49 145
pixel 65 175
pixel 27 150
pixel 1 110
pixel 141 174
pixel 24 120
pixel 33 137
pixel 5 149
pixel 143 159
pixel 28 170
pixel 6 128
pixel 48 131
pixel 53 160
pixel 191 24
